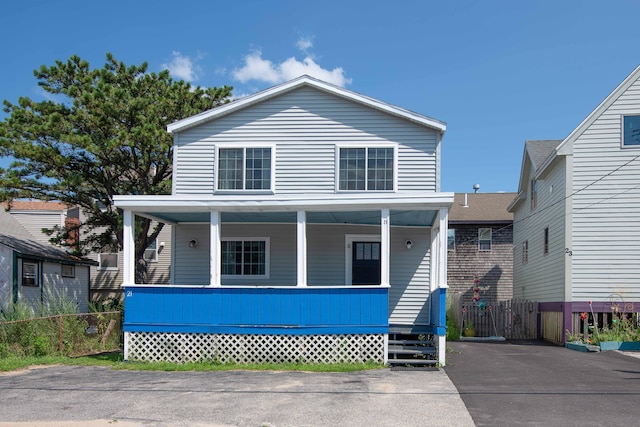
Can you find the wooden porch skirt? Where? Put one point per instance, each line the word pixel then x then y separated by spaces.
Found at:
pixel 249 310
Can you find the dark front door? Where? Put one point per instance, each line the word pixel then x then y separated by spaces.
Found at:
pixel 366 263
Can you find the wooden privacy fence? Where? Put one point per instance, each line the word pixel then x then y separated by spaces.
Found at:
pixel 512 319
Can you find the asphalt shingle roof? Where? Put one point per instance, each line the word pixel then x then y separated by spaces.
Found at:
pixel 540 150
pixel 481 207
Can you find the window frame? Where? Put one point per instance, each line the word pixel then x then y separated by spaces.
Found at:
pixel 525 252
pixel 366 149
pixel 71 274
pixel 624 132
pixel 545 250
pixel 244 147
pixel 481 240
pixel 154 251
pixel 451 240
pixel 117 256
pixel 36 274
pixel 267 258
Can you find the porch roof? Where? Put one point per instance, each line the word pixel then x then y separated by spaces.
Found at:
pixel 407 209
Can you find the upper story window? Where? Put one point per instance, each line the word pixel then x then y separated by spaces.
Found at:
pixel 366 169
pixel 525 252
pixel 534 193
pixel 247 168
pixel 484 239
pixel 546 241
pixel 451 239
pixel 245 257
pixel 30 273
pixel 631 131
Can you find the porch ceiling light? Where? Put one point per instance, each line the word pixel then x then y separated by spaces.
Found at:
pixel 193 243
pixel 408 244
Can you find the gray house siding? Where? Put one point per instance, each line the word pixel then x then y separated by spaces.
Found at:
pixel 56 288
pixel 606 207
pixel 305 126
pixel 35 221
pixel 541 278
pixel 6 277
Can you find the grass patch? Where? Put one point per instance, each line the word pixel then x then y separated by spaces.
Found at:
pixel 115 361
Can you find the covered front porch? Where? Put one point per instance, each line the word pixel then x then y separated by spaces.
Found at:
pixel 312 277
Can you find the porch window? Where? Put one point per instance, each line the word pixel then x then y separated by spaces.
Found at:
pixel 108 261
pixel 631 131
pixel 484 239
pixel 247 168
pixel 451 239
pixel 245 257
pixel 151 253
pixel 366 169
pixel 30 276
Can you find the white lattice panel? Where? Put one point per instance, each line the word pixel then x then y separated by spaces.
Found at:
pixel 182 347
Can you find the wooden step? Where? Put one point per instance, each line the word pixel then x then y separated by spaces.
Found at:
pixel 399 349
pixel 412 362
pixel 408 342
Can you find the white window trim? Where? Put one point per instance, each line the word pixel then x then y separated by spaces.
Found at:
pixel 36 274
pixel 216 162
pixel 116 268
pixel 155 258
pixel 454 240
pixel 366 147
pixel 348 253
pixel 490 239
pixel 267 258
pixel 622 144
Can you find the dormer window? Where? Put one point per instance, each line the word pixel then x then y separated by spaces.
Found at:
pixel 366 169
pixel 247 168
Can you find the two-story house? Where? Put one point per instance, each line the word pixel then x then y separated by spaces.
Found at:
pixel 307 222
pixel 577 218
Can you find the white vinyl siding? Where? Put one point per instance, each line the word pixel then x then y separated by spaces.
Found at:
pixel 35 221
pixel 538 277
pixel 606 223
pixel 305 126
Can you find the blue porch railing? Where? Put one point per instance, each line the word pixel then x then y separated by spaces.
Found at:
pixel 291 311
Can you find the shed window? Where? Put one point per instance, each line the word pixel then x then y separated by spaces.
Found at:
pixel 245 257
pixel 245 168
pixel 30 276
pixel 631 131
pixel 366 169
pixel 68 270
pixel 484 239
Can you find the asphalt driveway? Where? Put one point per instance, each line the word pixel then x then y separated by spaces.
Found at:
pixel 535 383
pixel 82 396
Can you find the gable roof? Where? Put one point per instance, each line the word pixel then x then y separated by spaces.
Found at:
pixel 15 236
pixel 540 150
pixel 299 82
pixel 481 208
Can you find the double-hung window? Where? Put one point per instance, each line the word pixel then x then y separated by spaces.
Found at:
pixel 151 253
pixel 484 239
pixel 245 257
pixel 30 273
pixel 246 168
pixel 366 169
pixel 108 261
pixel 451 239
pixel 631 131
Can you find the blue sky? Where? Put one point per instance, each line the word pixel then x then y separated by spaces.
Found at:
pixel 497 72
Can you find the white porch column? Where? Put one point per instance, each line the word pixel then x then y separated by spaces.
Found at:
pixel 128 248
pixel 385 227
pixel 214 249
pixel 443 248
pixel 301 252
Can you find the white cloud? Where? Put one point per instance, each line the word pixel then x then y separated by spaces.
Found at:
pixel 257 68
pixel 304 44
pixel 181 67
